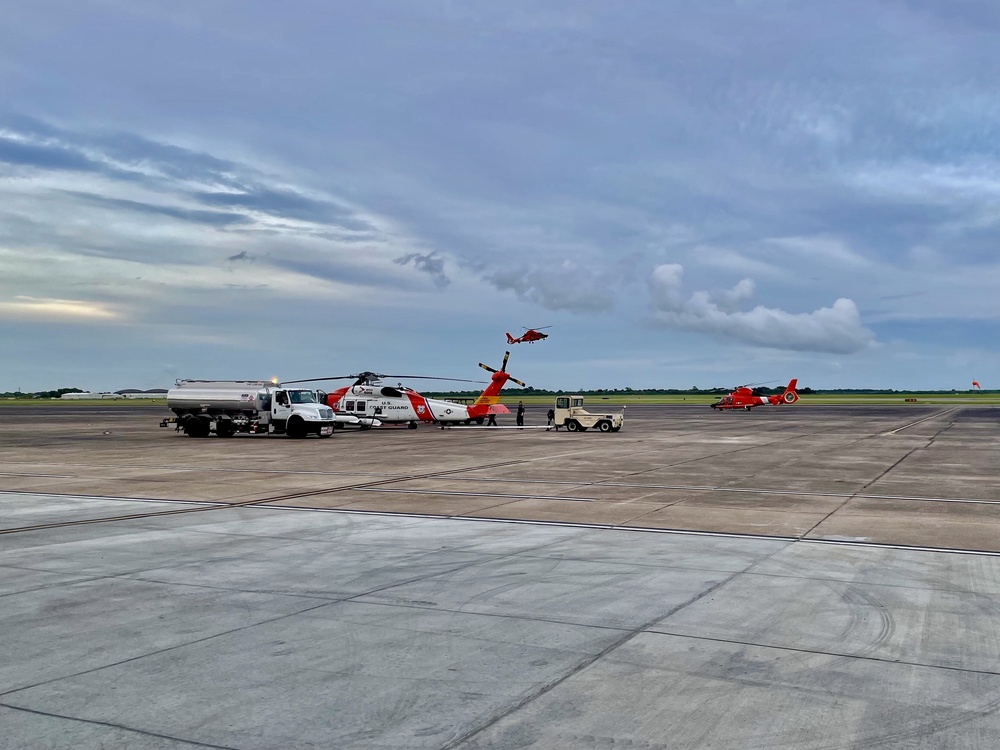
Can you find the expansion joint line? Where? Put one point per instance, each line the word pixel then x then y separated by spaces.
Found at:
pixel 860 491
pixel 259 501
pixel 584 664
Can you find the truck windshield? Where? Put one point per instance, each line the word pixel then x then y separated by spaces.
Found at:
pixel 302 397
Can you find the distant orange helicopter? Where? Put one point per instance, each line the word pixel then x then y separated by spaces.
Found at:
pixel 530 336
pixel 744 398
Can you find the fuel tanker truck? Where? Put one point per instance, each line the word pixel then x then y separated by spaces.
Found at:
pixel 227 407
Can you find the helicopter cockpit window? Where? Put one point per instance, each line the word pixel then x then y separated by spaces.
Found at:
pixel 348 406
pixel 360 406
pixel 302 397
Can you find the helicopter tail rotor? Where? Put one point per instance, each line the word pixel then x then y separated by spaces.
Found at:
pixel 502 372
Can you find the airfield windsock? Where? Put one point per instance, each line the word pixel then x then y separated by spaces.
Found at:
pixel 975 384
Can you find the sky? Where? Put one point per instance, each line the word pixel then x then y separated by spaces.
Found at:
pixel 688 193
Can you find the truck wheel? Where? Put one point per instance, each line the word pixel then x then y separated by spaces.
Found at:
pixel 196 427
pixel 295 429
pixel 604 425
pixel 572 425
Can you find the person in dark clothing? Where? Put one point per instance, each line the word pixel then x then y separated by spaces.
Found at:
pixel 520 414
pixel 550 417
pixel 492 421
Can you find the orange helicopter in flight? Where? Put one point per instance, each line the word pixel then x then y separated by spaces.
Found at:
pixel 530 336
pixel 744 398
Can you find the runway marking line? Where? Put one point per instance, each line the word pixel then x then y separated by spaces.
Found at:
pixel 921 421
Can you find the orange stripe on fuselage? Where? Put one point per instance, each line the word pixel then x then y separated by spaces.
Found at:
pixel 420 406
pixel 333 399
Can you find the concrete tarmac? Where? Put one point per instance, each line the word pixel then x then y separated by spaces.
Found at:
pixel 807 577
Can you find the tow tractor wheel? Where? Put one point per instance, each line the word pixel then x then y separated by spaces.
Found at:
pixel 604 425
pixel 616 429
pixel 572 425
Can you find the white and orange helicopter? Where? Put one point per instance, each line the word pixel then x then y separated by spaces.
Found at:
pixel 374 403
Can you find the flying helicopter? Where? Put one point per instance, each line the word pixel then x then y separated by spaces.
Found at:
pixel 530 336
pixel 744 398
pixel 368 398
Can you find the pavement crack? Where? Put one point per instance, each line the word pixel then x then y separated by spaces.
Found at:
pixel 112 725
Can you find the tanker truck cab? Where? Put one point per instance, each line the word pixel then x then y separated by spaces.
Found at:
pixel 297 413
pixel 569 413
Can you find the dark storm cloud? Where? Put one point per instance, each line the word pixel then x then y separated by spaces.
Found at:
pixel 31 143
pixel 44 156
pixel 430 263
pixel 567 287
pixel 129 150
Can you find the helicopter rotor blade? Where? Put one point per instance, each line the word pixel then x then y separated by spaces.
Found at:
pixel 515 380
pixel 313 380
pixel 432 377
pixel 503 367
pixel 763 382
pixel 487 367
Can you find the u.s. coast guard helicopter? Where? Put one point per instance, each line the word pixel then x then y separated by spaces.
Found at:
pixel 745 398
pixel 368 398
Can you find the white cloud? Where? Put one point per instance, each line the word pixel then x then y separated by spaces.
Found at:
pixel 65 310
pixel 836 329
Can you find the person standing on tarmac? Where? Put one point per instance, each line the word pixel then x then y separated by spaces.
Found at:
pixel 550 418
pixel 520 414
pixel 492 422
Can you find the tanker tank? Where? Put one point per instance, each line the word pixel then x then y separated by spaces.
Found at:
pixel 196 396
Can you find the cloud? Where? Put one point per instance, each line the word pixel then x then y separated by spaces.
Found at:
pixel 836 329
pixel 127 217
pixel 430 263
pixel 63 310
pixel 203 181
pixel 216 218
pixel 568 286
